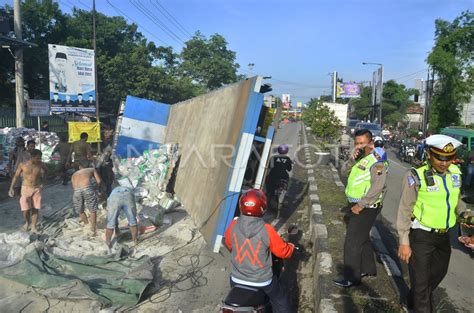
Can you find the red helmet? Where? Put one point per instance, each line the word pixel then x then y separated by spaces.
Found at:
pixel 253 203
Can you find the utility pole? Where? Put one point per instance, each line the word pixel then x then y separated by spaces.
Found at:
pixel 18 65
pixel 95 69
pixel 381 95
pixel 425 109
pixel 334 86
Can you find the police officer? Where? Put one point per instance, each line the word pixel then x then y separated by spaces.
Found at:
pixel 428 208
pixel 365 190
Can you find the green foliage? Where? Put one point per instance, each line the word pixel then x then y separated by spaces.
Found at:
pixel 323 122
pixel 128 64
pixel 363 105
pixel 452 59
pixel 396 99
pixel 209 61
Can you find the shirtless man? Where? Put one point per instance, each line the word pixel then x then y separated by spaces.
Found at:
pixel 85 196
pixel 82 151
pixel 64 149
pixel 30 200
pixel 17 156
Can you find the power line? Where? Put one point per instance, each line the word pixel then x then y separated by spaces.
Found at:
pixel 85 5
pixel 171 18
pixel 130 19
pixel 412 74
pixel 138 5
pixel 65 4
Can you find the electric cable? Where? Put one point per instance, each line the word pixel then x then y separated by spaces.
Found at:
pixel 139 6
pixel 133 21
pixel 171 18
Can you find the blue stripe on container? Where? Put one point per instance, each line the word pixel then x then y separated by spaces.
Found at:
pixel 135 146
pixel 227 210
pixel 260 139
pixel 270 132
pixel 147 110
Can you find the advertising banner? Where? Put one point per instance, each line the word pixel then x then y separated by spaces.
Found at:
pixel 285 99
pixel 71 79
pixel 75 129
pixel 38 107
pixel 378 93
pixel 299 104
pixel 348 90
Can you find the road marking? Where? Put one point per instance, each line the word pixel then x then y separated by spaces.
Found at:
pixel 396 163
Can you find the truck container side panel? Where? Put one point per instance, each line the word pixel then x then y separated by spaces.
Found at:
pixel 239 165
pixel 208 129
pixel 143 126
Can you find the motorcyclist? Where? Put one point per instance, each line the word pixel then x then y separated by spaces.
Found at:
pixel 252 241
pixel 344 141
pixel 280 166
pixel 378 142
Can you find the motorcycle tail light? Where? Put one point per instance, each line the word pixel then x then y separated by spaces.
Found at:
pixel 226 310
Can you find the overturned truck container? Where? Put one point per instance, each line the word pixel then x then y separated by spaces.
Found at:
pixel 224 141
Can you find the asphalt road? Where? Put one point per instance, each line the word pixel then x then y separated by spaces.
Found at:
pixel 459 282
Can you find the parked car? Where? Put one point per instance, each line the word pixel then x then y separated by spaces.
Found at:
pixel 375 129
pixel 351 125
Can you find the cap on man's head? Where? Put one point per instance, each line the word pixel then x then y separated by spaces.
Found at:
pixel 443 146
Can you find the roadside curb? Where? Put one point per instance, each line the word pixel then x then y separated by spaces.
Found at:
pixel 319 234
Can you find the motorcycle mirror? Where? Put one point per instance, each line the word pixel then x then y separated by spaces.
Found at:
pixel 293 229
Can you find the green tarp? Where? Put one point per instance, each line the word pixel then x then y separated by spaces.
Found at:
pixel 110 280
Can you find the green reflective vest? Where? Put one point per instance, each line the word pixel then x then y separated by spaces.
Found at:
pixel 435 205
pixel 358 182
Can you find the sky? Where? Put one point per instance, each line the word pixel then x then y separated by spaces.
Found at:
pixel 299 42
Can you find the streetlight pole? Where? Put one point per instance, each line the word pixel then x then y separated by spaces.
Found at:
pixel 379 115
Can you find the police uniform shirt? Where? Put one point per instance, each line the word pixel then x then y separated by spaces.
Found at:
pixel 408 199
pixel 378 178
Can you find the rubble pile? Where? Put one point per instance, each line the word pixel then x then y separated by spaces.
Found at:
pixel 45 141
pixel 149 175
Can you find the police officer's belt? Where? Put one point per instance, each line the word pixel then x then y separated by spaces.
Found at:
pixel 417 225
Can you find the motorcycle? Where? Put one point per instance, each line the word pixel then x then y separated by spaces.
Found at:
pixel 409 153
pixel 277 196
pixel 248 299
pixel 344 153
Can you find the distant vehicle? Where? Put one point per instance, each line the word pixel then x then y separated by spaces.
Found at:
pixel 374 128
pixel 351 125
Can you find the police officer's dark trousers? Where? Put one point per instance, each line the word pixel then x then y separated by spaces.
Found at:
pixel 358 253
pixel 428 265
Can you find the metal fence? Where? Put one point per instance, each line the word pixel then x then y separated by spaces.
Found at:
pixel 56 123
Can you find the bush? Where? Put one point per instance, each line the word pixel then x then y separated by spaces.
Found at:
pixel 322 121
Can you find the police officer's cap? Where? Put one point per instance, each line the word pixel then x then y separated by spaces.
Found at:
pixel 443 146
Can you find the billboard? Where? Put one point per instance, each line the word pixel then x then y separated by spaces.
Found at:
pixel 378 86
pixel 71 79
pixel 75 129
pixel 285 99
pixel 38 107
pixel 348 90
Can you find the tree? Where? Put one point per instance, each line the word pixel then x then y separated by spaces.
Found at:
pixel 363 105
pixel 209 61
pixel 396 99
pixel 452 60
pixel 322 120
pixel 127 63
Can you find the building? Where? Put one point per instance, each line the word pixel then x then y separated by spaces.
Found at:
pixel 467 114
pixel 415 116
